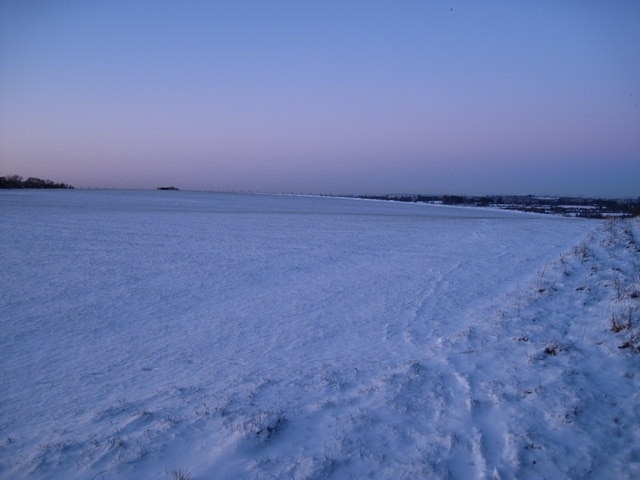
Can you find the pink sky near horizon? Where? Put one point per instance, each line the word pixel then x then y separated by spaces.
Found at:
pixel 330 97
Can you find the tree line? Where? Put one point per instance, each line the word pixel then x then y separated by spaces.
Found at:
pixel 572 206
pixel 16 181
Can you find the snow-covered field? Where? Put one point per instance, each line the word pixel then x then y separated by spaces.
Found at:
pixel 195 335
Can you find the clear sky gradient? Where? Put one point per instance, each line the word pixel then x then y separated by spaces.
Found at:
pixel 443 96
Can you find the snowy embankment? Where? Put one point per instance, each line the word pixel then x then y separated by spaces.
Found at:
pixel 155 335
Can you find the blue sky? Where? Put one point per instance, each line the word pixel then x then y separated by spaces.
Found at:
pixel 324 97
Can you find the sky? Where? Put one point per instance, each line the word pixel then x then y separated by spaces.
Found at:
pixel 333 97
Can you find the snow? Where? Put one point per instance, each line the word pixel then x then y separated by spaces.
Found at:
pixel 147 334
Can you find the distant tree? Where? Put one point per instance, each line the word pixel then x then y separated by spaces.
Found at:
pixel 452 199
pixel 15 181
pixel 33 182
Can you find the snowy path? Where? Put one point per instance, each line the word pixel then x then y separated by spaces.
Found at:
pixel 275 337
pixel 552 393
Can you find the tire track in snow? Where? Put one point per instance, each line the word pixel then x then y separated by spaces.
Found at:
pixel 420 315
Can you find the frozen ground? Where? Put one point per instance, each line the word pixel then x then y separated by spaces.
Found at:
pixel 160 334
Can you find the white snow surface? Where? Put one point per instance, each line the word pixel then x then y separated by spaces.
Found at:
pixel 196 335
